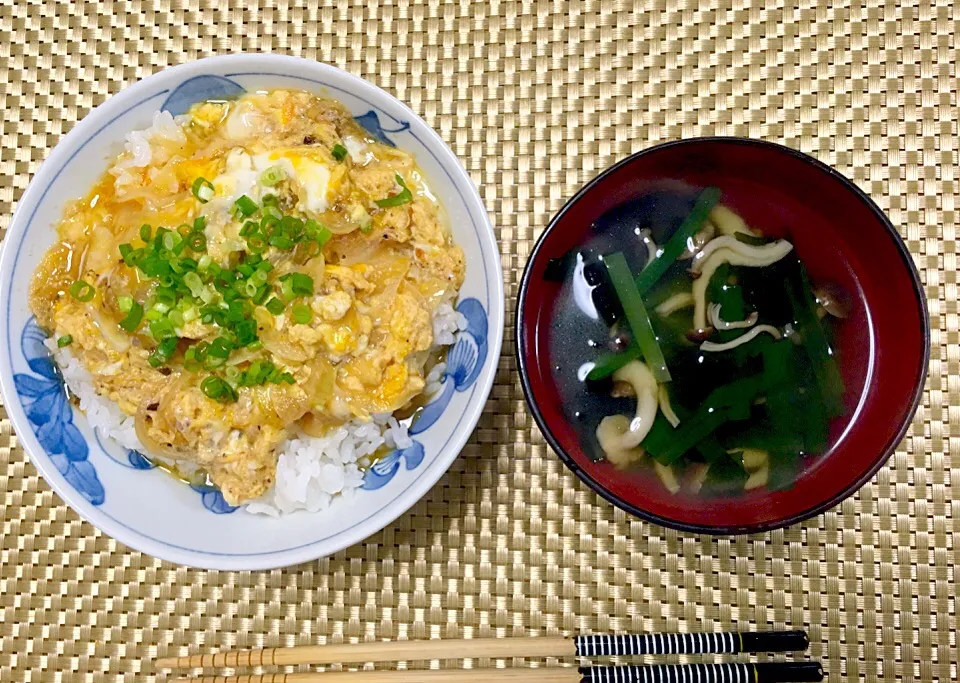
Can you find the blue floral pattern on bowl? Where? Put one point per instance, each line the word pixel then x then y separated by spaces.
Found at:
pixel 464 362
pixel 371 123
pixel 50 414
pixel 139 461
pixel 198 89
pixel 213 500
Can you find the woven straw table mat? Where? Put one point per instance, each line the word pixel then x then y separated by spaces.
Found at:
pixel 535 99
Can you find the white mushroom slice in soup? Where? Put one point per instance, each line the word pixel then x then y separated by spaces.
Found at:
pixel 728 222
pixel 675 303
pixel 667 477
pixel 756 252
pixel 754 257
pixel 610 435
pixel 663 398
pixel 644 385
pixel 742 339
pixel 719 323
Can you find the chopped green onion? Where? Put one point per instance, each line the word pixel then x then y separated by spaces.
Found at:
pixel 286 290
pixel 190 363
pixel 171 240
pixel 82 291
pixel 256 243
pixel 275 306
pixel 165 298
pixel 262 295
pixel 251 377
pixel 195 284
pixel 302 284
pixel 163 352
pixel 162 329
pixel 301 314
pixel 323 236
pixel 133 318
pixel 124 303
pixel 636 314
pixel 220 348
pixel 270 200
pixel 269 224
pixel 203 190
pixel 678 242
pixel 316 232
pixel 281 242
pixel 339 152
pixel 197 241
pixel 218 389
pixel 405 196
pixel 244 206
pixel 145 232
pixel 65 340
pixel 126 253
pixel 291 224
pixel 272 176
pixel 246 332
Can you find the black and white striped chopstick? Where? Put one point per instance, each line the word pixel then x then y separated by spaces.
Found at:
pixel 690 643
pixel 733 672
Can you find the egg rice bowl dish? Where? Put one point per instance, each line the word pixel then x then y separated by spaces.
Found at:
pixel 256 296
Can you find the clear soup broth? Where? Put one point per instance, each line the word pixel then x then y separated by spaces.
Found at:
pixel 689 343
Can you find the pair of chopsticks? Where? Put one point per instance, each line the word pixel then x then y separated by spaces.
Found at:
pixel 552 646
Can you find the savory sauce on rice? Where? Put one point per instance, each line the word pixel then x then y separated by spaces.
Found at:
pixel 253 271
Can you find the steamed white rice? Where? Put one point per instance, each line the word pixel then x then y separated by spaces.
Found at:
pixel 141 150
pixel 312 472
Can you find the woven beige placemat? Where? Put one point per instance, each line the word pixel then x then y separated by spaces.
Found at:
pixel 535 99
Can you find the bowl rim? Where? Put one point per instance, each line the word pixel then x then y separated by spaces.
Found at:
pixel 814 510
pixel 58 158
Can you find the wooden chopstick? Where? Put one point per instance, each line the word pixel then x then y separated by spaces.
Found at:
pixel 497 648
pixel 732 672
pixel 552 675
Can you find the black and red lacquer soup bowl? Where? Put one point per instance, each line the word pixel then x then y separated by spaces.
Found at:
pixel 841 236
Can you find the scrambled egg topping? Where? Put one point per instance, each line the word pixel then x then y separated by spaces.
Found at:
pixel 356 344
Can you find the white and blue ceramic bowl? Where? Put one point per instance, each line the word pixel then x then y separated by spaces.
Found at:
pixel 117 490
